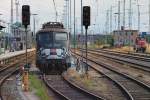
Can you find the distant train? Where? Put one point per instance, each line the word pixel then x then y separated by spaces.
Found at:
pixel 52 48
pixel 140 44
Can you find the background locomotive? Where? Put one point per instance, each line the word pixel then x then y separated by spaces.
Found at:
pixel 140 44
pixel 52 45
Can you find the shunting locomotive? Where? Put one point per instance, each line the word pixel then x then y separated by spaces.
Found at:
pixel 140 44
pixel 52 45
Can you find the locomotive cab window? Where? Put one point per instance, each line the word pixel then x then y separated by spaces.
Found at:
pixel 61 36
pixel 45 39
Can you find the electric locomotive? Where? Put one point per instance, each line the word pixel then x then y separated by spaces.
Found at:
pixel 52 48
pixel 140 44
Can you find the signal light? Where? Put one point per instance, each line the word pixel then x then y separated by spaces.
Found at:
pixel 26 15
pixel 86 16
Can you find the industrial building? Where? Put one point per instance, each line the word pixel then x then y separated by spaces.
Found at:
pixel 125 37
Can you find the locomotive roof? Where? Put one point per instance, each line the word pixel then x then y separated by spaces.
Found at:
pixel 52 30
pixel 53 27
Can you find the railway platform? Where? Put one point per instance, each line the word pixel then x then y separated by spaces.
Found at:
pixel 12 54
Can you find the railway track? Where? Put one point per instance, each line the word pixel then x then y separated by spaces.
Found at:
pixel 126 55
pixel 67 90
pixel 147 55
pixel 5 75
pixel 132 62
pixel 10 66
pixel 2 68
pixel 136 89
pixel 119 92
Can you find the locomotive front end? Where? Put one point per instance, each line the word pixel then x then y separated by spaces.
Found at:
pixel 52 50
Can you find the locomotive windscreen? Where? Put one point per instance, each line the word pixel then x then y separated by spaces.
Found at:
pixel 45 40
pixel 52 40
pixel 60 37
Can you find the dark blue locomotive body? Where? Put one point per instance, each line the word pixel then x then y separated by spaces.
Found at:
pixel 52 45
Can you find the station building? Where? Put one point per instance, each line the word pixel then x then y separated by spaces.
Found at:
pixel 125 37
pixel 2 38
pixel 19 37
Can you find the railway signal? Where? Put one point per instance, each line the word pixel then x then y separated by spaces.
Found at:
pixel 26 22
pixel 86 16
pixel 26 15
pixel 86 23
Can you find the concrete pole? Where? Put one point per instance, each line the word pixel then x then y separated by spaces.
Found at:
pixel 67 14
pixel 149 16
pixel 107 25
pixel 107 21
pixel 0 19
pixel 74 25
pixel 17 10
pixel 130 15
pixel 139 20
pixel 34 24
pixel 111 19
pixel 8 25
pixel 124 14
pixel 115 21
pixel 70 16
pixel 118 15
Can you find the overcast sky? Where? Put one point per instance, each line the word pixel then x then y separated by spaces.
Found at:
pixel 46 12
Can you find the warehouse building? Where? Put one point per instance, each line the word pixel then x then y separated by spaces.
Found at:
pixel 125 37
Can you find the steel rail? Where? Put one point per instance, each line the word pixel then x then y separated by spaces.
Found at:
pixel 137 64
pixel 7 75
pixel 74 90
pixel 121 87
pixel 124 76
pixel 127 55
pixel 132 64
pixel 54 90
pixel 83 90
pixel 11 69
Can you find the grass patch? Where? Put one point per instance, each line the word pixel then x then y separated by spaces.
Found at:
pixel 38 86
pixel 148 48
pixel 92 84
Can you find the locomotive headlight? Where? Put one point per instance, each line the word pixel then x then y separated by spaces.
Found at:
pixel 63 53
pixel 43 55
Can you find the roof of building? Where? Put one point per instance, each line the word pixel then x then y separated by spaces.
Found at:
pixel 126 30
